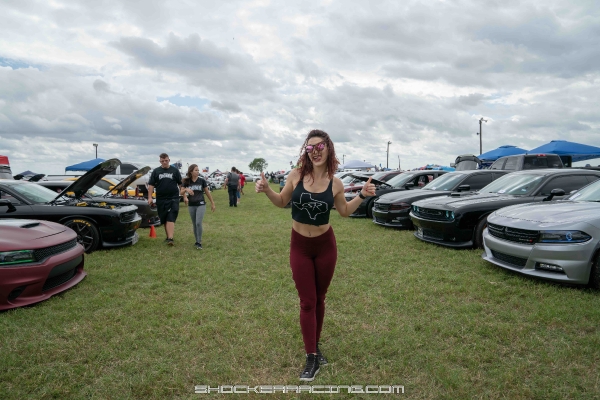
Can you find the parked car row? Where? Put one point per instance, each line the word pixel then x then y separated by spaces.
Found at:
pixel 538 222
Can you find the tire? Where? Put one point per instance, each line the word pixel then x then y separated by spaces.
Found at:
pixel 87 233
pixel 370 208
pixel 594 281
pixel 478 236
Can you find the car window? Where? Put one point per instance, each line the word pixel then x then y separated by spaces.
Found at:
pixel 7 196
pixel 103 184
pixel 497 175
pixel 517 185
pixel 537 162
pixel 127 169
pixel 400 180
pixel 592 178
pixel 589 193
pixel 511 163
pixel 424 180
pixel 445 182
pixel 498 164
pixel 478 181
pixel 35 193
pixel 566 183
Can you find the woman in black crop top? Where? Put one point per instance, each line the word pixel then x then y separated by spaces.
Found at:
pixel 313 190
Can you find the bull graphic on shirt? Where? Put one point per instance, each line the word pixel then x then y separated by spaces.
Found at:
pixel 312 207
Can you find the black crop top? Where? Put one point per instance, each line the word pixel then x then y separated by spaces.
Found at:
pixel 312 208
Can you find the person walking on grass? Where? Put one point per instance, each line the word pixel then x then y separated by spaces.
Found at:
pixel 166 179
pixel 232 182
pixel 313 191
pixel 193 190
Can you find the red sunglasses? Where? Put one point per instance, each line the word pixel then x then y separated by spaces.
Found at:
pixel 319 147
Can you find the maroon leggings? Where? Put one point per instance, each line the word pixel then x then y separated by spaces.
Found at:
pixel 313 262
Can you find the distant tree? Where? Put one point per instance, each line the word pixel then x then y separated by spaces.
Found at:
pixel 258 165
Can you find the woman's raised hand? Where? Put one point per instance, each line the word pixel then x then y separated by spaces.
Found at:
pixel 262 184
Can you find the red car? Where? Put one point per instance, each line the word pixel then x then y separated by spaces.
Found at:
pixel 38 259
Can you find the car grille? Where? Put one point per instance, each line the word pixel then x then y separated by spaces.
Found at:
pixel 42 254
pixel 59 279
pixel 512 234
pixel 516 261
pixel 381 207
pixel 429 213
pixel 128 216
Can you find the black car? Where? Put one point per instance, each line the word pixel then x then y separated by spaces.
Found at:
pixel 393 209
pixel 459 221
pixel 409 180
pixel 96 222
pixel 118 195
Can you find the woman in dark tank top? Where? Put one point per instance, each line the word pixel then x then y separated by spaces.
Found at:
pixel 313 191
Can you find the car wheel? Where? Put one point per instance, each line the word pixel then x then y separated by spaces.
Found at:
pixel 370 208
pixel 478 239
pixel 594 281
pixel 87 233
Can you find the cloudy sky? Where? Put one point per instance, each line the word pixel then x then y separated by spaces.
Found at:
pixel 221 83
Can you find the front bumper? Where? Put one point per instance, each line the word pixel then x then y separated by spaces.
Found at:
pixel 392 219
pixel 444 233
pixel 33 283
pixel 122 235
pixel 575 259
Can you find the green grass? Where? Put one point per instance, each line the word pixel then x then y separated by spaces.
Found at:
pixel 151 321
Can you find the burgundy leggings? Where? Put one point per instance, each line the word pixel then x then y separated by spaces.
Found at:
pixel 313 262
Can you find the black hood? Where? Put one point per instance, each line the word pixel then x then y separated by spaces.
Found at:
pixel 366 178
pixel 458 202
pixel 90 178
pixel 130 179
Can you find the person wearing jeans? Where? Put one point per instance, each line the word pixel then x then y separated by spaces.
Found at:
pixel 193 189
pixel 232 182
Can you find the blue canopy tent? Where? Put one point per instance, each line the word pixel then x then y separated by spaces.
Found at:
pixel 501 151
pixel 577 151
pixel 85 166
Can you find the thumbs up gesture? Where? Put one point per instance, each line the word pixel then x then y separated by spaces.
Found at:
pixel 369 188
pixel 262 184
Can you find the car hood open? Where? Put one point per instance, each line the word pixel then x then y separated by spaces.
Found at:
pixel 90 178
pixel 554 212
pixel 129 180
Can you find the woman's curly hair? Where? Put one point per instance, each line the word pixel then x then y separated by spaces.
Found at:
pixel 305 165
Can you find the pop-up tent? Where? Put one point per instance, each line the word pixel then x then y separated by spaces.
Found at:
pixel 577 151
pixel 85 166
pixel 357 164
pixel 501 151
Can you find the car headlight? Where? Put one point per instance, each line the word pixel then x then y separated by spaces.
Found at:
pixel 450 214
pixel 563 237
pixel 16 257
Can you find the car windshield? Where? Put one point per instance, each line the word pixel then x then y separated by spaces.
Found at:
pixel 444 182
pixel 589 193
pixel 348 179
pixel 35 193
pixel 516 185
pixel 400 180
pixel 96 191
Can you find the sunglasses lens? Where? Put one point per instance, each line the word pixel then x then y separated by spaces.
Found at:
pixel 320 146
pixel 309 149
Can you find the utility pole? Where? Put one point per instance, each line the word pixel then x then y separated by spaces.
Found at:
pixel 387 166
pixel 399 163
pixel 96 146
pixel 480 140
pixel 343 159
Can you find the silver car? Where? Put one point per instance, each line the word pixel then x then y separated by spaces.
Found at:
pixel 557 240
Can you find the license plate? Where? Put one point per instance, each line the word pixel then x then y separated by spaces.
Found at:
pixel 420 231
pixel 135 239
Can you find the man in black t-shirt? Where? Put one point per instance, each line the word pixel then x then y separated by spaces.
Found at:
pixel 166 179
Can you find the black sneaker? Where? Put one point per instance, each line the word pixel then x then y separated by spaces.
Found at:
pixel 312 368
pixel 170 242
pixel 320 356
pixel 198 246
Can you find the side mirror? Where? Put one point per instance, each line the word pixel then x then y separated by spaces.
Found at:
pixel 7 203
pixel 463 188
pixel 554 192
pixel 452 165
pixel 408 185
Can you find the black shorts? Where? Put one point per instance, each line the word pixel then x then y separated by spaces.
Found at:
pixel 168 210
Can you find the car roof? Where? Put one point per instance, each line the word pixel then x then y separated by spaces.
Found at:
pixel 554 171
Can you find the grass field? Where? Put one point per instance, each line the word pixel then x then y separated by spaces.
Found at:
pixel 151 321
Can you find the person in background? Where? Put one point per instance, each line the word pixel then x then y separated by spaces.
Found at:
pixel 166 179
pixel 193 190
pixel 232 182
